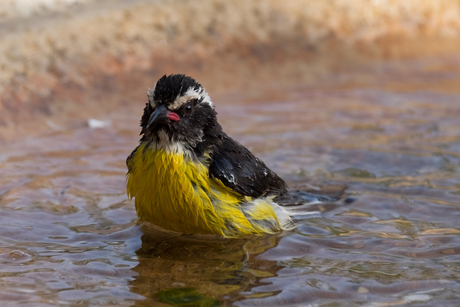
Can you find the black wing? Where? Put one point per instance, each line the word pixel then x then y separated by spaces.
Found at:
pixel 241 171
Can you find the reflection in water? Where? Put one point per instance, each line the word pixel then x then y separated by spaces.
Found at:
pixel 173 266
pixel 68 234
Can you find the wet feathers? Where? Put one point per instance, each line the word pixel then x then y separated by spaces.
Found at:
pixel 188 176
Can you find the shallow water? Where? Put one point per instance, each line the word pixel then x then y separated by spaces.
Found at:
pixel 68 234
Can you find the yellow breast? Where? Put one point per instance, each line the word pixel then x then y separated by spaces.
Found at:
pixel 175 192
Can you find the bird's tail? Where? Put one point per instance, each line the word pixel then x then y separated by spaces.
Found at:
pixel 298 203
pixel 299 197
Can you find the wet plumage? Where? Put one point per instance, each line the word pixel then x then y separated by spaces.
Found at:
pixel 188 175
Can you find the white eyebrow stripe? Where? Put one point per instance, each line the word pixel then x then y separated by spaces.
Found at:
pixel 192 93
pixel 199 93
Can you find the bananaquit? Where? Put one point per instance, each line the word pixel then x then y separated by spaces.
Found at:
pixel 189 176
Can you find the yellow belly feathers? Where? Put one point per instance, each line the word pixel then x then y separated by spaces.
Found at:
pixel 175 192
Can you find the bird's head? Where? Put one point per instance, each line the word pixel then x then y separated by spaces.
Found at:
pixel 178 111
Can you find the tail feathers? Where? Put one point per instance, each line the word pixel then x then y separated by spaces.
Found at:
pixel 293 203
pixel 298 203
pixel 299 197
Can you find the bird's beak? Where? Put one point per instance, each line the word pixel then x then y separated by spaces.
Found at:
pixel 162 115
pixel 158 116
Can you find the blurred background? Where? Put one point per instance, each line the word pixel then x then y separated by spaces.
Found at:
pixel 355 95
pixel 66 60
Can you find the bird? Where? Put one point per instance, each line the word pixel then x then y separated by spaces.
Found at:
pixel 187 175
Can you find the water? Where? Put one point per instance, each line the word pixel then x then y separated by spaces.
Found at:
pixel 69 236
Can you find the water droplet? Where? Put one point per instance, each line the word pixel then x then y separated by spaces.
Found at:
pixel 17 254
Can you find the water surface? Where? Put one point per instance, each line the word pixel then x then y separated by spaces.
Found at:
pixel 69 236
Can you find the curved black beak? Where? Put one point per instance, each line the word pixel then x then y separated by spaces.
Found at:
pixel 159 116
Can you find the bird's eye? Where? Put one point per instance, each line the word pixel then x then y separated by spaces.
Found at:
pixel 188 108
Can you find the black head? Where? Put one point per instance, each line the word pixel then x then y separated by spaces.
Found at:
pixel 179 111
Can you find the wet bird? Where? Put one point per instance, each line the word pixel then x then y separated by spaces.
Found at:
pixel 189 176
